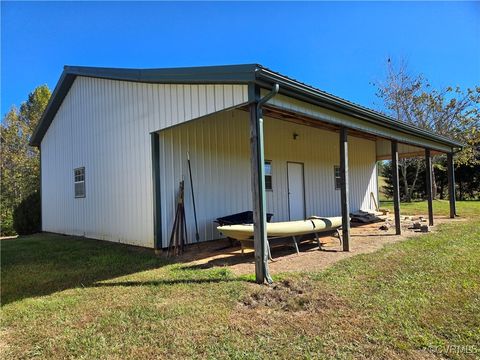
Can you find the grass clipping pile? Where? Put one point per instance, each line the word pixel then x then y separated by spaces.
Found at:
pixel 289 296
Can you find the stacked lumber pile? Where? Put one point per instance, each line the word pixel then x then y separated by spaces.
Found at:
pixel 366 217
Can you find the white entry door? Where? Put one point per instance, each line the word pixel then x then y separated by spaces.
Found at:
pixel 296 191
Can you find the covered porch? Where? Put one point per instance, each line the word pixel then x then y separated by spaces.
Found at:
pixel 389 140
pixel 365 239
pixel 404 141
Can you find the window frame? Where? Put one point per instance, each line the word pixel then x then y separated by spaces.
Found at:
pixel 269 162
pixel 79 179
pixel 337 180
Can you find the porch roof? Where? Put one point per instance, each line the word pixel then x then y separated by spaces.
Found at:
pixel 229 74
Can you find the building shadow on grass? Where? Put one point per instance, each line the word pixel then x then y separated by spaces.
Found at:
pixel 170 282
pixel 42 264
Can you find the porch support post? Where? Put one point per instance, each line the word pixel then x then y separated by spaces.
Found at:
pixel 428 172
pixel 258 187
pixel 344 188
pixel 396 187
pixel 157 218
pixel 451 184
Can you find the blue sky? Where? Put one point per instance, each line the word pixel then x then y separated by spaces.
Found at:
pixel 338 47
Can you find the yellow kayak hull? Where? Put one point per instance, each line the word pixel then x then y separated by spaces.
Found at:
pixel 283 229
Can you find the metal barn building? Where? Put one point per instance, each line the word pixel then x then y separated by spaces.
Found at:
pixel 114 146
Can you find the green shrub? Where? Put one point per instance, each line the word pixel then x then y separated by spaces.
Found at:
pixel 6 224
pixel 26 217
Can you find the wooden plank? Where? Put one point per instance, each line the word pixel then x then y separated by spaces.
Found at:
pixel 428 171
pixel 293 117
pixel 323 113
pixel 451 185
pixel 396 186
pixel 258 188
pixel 344 187
pixel 290 116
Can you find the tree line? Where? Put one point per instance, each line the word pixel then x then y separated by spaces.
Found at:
pixel 20 164
pixel 451 112
pixel 467 180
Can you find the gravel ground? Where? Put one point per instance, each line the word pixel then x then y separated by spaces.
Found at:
pixel 364 239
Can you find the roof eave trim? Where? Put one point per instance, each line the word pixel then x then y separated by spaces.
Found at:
pixel 306 93
pixel 56 99
pixel 231 74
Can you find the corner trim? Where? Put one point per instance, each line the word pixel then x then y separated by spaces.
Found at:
pixel 156 187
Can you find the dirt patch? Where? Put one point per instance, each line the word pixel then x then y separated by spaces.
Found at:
pixel 5 341
pixel 289 296
pixel 366 238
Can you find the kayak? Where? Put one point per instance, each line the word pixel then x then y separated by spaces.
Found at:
pixel 283 229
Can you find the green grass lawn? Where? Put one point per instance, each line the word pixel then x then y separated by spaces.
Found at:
pixel 440 208
pixel 64 297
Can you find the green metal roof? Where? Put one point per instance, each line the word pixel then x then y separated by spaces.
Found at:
pixel 228 74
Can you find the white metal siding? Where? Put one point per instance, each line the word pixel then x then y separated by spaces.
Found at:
pixel 220 155
pixel 105 125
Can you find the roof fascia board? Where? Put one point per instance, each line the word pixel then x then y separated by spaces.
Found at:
pixel 234 74
pixel 231 74
pixel 61 89
pixel 305 93
pixel 252 74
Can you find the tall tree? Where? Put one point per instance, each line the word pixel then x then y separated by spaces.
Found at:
pixel 450 112
pixel 20 163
